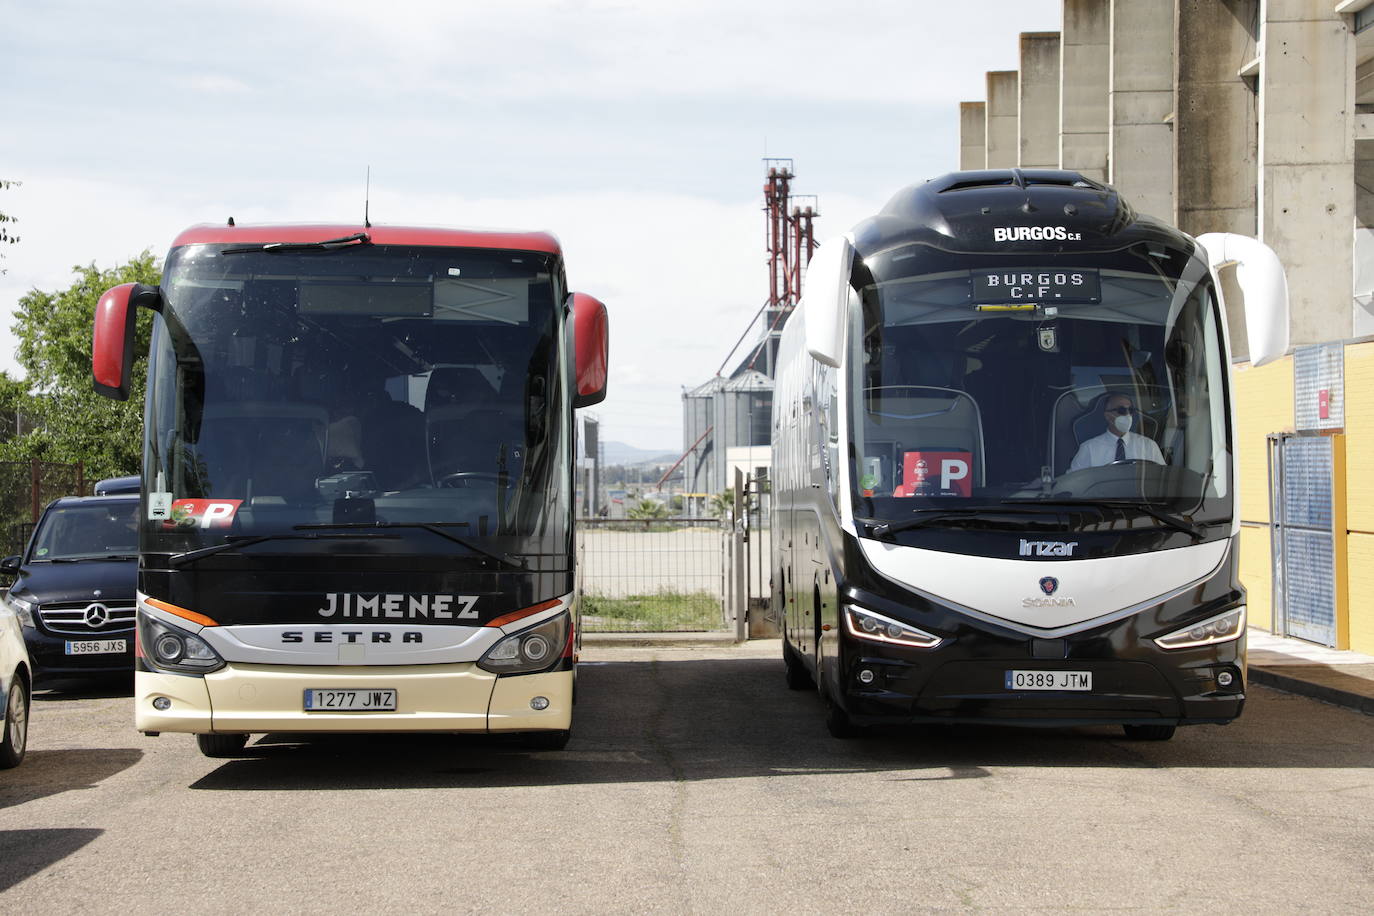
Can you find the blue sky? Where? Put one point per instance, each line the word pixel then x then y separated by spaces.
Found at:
pixel 632 130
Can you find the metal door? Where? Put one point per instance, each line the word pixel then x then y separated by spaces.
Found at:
pixel 1302 536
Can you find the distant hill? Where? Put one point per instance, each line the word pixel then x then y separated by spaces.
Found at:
pixel 620 453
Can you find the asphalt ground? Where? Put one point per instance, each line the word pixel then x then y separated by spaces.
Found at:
pixel 695 783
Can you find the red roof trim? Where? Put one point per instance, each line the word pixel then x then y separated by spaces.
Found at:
pixel 206 234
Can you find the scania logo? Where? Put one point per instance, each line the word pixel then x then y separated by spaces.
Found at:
pixel 1049 585
pixel 97 615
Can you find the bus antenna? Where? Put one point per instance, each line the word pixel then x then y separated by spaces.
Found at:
pixel 367 195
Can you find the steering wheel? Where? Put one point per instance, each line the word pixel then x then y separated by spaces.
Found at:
pixel 1134 461
pixel 467 480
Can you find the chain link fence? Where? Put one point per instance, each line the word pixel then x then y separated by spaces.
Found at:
pixel 25 488
pixel 661 575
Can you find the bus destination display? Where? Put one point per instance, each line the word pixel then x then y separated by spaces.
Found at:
pixel 1036 285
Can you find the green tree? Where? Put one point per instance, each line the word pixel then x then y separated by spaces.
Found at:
pixel 723 504
pixel 7 236
pixel 648 508
pixel 71 422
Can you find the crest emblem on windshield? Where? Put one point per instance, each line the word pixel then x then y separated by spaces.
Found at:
pixel 1049 585
pixel 1049 340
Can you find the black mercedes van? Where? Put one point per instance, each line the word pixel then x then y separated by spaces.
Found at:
pixel 74 587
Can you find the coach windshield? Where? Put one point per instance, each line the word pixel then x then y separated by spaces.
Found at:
pixel 343 393
pixel 989 382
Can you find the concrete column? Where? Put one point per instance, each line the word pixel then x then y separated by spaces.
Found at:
pixel 1037 109
pixel 1306 151
pixel 1216 116
pixel 1083 118
pixel 973 135
pixel 1216 123
pixel 1141 142
pixel 1002 134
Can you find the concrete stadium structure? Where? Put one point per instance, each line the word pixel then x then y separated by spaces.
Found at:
pixel 1255 117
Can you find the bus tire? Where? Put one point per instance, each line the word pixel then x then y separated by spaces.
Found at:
pixel 221 745
pixel 838 723
pixel 16 736
pixel 798 678
pixel 1148 732
pixel 547 741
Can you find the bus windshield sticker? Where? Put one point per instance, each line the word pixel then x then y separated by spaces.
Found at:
pixel 203 513
pixel 928 473
pixel 1036 285
pixel 159 506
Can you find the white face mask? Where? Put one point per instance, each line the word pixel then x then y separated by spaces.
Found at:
pixel 1123 423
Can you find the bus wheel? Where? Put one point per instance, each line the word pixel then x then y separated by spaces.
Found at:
pixel 546 741
pixel 797 676
pixel 1149 732
pixel 221 745
pixel 838 723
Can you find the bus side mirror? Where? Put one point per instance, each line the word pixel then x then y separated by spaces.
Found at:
pixel 591 339
pixel 112 345
pixel 1264 284
pixel 825 300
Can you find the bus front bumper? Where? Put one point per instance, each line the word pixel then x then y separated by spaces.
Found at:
pixel 245 698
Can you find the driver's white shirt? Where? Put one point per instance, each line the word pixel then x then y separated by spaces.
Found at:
pixel 1100 450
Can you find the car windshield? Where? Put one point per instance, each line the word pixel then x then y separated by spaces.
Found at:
pixel 1056 377
pixel 356 387
pixel 84 532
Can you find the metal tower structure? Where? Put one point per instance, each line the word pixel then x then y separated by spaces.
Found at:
pixel 727 419
pixel 790 241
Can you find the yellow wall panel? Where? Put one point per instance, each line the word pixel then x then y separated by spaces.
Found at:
pixel 1359 439
pixel 1256 574
pixel 1264 405
pixel 1360 550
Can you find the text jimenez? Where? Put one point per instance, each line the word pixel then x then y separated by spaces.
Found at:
pixel 438 607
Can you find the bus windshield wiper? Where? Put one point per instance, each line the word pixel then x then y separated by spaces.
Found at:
pixel 239 541
pixel 432 528
pixel 1172 519
pixel 357 238
pixel 878 527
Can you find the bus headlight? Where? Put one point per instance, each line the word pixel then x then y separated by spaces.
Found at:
pixel 173 649
pixel 535 649
pixel 870 625
pixel 1218 629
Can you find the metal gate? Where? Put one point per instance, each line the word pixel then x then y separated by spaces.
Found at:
pixel 1303 538
pixel 653 575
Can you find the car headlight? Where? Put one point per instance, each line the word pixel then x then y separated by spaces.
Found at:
pixel 1218 629
pixel 536 649
pixel 23 609
pixel 173 649
pixel 870 625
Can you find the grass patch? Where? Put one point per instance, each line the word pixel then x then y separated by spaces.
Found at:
pixel 665 612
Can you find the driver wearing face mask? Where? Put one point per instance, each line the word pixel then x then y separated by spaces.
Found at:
pixel 1118 443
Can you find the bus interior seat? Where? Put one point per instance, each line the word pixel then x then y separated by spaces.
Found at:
pixel 925 418
pixel 465 422
pixel 393 444
pixel 274 448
